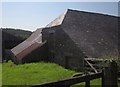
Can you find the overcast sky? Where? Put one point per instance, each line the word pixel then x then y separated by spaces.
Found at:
pixel 33 15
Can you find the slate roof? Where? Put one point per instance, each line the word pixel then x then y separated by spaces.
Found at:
pixel 57 21
pixel 95 34
pixel 30 44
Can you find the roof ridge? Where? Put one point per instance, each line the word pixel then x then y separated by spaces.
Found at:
pixel 58 20
pixel 93 13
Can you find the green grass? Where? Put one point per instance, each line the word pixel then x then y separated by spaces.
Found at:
pixel 0 74
pixel 33 73
pixel 95 82
pixel 36 73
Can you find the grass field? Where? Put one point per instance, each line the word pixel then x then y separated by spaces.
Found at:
pixel 36 73
pixel 0 74
pixel 33 73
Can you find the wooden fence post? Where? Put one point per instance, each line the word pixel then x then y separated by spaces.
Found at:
pixel 110 72
pixel 87 83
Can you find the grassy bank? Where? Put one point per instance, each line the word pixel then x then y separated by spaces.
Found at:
pixel 36 73
pixel 33 73
pixel 0 74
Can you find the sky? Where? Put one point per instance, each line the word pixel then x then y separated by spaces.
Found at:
pixel 33 15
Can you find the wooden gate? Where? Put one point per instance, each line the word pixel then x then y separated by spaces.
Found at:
pixel 109 76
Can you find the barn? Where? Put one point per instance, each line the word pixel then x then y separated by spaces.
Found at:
pixel 70 38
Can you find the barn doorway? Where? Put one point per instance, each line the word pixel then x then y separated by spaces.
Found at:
pixel 67 61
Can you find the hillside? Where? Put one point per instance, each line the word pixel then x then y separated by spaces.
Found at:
pixel 12 37
pixel 17 32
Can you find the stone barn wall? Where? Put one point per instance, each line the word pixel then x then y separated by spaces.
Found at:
pixel 62 50
pixel 39 54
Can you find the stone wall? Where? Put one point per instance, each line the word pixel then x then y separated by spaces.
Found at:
pixel 37 55
pixel 62 50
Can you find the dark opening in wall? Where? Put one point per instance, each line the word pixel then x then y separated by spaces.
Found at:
pixel 86 56
pixel 67 61
pixel 52 55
